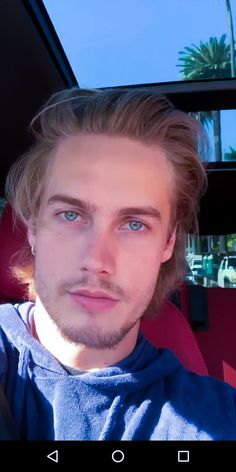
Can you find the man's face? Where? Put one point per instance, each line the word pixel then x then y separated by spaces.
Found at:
pixel 103 225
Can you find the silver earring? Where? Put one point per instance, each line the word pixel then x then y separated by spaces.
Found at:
pixel 33 250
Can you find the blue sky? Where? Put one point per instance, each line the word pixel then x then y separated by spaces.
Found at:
pixel 121 42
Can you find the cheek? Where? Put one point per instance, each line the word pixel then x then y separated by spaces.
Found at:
pixel 141 270
pixel 52 242
pixel 54 254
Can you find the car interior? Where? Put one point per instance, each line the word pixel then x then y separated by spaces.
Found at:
pixel 198 323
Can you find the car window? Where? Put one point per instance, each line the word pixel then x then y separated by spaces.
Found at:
pixel 211 261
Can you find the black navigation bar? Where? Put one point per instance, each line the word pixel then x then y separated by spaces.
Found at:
pixel 109 455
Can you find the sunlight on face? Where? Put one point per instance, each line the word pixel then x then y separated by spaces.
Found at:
pixel 102 226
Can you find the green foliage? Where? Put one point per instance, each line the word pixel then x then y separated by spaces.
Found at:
pixel 210 60
pixel 231 242
pixel 231 155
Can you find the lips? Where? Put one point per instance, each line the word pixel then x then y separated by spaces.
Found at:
pixel 97 294
pixel 93 301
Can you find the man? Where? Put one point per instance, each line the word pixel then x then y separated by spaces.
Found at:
pixel 108 193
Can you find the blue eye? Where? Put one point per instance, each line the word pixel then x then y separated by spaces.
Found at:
pixel 70 215
pixel 135 225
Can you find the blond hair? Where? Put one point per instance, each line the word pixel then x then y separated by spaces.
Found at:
pixel 140 114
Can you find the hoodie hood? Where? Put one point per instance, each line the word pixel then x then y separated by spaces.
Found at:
pixel 146 396
pixel 132 373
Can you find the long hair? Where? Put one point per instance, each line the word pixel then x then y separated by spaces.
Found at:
pixel 140 114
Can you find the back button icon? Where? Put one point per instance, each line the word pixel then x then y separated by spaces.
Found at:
pixel 53 456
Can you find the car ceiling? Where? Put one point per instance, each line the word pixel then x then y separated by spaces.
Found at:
pixel 28 77
pixel 32 67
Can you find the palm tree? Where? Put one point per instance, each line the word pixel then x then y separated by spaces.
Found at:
pixel 210 60
pixel 205 118
pixel 231 30
pixel 231 154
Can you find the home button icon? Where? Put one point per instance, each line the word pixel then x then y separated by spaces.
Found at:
pixel 118 456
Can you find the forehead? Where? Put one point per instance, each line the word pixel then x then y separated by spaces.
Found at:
pixel 97 167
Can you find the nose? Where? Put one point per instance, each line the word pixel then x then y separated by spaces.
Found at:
pixel 99 254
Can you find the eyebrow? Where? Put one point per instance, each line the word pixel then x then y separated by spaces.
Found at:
pixel 146 210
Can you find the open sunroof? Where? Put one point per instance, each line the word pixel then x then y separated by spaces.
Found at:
pixel 135 42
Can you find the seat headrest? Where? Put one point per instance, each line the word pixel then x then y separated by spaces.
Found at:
pixel 12 240
pixel 171 330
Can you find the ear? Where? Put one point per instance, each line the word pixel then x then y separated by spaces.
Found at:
pixel 168 251
pixel 31 231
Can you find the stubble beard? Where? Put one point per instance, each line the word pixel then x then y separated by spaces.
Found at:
pixel 90 335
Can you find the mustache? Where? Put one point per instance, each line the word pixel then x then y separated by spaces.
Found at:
pixel 86 283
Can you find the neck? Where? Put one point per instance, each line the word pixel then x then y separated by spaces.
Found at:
pixel 75 355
